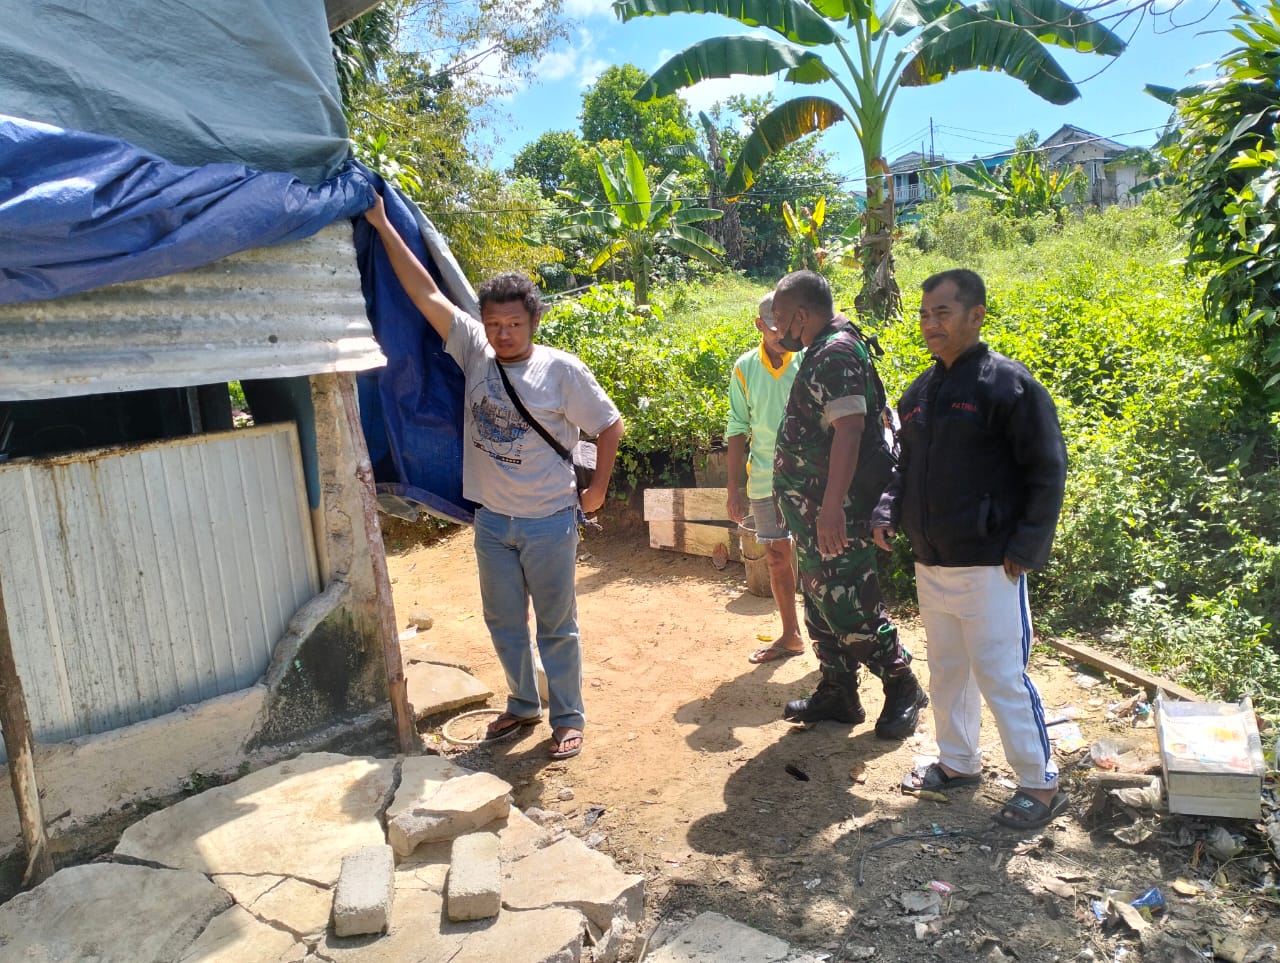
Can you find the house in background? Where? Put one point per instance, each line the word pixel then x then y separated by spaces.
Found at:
pixel 909 187
pixel 1109 182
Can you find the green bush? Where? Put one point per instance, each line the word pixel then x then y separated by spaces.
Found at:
pixel 669 379
pixel 1167 544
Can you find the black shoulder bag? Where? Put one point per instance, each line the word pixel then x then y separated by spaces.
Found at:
pixel 877 456
pixel 583 456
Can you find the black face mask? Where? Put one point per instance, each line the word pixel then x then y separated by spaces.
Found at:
pixel 788 341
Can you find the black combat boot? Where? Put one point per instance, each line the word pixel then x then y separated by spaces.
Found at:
pixel 834 699
pixel 903 700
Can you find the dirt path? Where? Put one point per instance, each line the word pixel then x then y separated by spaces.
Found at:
pixel 686 750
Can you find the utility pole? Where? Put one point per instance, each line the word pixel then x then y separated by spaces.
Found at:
pixel 930 140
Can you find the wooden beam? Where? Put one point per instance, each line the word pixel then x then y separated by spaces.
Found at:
pixel 397 686
pixel 685 505
pixel 342 12
pixel 22 770
pixel 693 538
pixel 1122 670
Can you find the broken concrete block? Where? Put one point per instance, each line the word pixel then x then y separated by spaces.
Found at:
pixel 366 887
pixel 109 913
pixel 567 873
pixel 420 778
pixel 714 937
pixel 459 806
pixel 434 689
pixel 475 878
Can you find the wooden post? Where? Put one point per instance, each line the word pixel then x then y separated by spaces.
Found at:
pixel 401 711
pixel 22 769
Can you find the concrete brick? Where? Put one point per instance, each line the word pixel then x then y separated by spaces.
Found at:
pixel 366 886
pixel 475 878
pixel 567 873
pixel 459 806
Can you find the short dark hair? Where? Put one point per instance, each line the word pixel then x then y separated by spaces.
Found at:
pixel 505 288
pixel 970 290
pixel 810 289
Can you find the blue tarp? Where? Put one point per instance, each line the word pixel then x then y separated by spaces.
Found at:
pixel 80 210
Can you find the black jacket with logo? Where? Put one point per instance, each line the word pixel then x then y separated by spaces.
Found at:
pixel 983 465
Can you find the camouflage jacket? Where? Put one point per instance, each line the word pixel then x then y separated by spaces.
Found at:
pixel 833 381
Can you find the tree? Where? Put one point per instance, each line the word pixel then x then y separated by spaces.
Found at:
pixel 638 220
pixel 413 115
pixel 546 159
pixel 949 36
pixel 1024 186
pixel 1227 157
pixel 653 127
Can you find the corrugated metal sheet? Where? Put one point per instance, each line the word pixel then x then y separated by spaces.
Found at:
pixel 142 579
pixel 272 312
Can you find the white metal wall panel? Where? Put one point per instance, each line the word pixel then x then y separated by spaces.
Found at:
pixel 270 312
pixel 141 579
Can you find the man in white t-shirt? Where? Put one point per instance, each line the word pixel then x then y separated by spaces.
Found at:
pixel 526 528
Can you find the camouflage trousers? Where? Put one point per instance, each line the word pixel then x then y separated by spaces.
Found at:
pixel 843 609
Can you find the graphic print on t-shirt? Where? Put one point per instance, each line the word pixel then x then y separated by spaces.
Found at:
pixel 499 428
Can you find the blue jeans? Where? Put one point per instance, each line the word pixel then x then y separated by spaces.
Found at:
pixel 520 559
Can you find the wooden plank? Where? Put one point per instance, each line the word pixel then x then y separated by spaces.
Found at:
pixel 397 686
pixel 22 771
pixel 1122 670
pixel 341 12
pixel 692 538
pixel 685 504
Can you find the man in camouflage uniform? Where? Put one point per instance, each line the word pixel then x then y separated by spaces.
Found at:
pixel 815 464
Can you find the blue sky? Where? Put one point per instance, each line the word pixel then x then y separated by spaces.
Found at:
pixel 972 113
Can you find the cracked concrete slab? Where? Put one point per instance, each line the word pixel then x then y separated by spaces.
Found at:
pixel 420 931
pixel 435 688
pixel 712 936
pixel 296 818
pixel 109 913
pixel 420 778
pixel 300 907
pixel 568 873
pixel 237 936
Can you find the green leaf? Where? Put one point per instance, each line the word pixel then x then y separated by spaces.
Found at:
pixel 783 125
pixel 961 41
pixel 794 20
pixel 692 215
pixel 720 57
pixel 610 251
pixel 849 10
pixel 1054 22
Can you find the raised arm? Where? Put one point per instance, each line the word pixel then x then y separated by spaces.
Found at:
pixel 414 277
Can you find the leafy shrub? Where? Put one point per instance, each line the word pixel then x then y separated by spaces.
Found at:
pixel 670 384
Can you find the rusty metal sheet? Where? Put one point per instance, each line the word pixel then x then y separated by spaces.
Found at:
pixel 274 312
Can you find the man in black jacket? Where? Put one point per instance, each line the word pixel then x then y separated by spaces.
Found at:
pixel 978 490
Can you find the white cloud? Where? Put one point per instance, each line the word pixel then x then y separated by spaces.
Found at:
pixel 705 95
pixel 578 61
pixel 589 8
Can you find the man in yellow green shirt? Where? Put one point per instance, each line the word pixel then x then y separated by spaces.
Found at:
pixel 758 391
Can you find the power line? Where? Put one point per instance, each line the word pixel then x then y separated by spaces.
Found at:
pixel 837 182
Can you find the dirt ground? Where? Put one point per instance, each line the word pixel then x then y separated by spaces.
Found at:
pixel 687 754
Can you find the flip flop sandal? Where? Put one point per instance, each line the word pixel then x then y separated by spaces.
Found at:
pixel 557 751
pixel 773 653
pixel 1026 812
pixel 935 779
pixel 513 724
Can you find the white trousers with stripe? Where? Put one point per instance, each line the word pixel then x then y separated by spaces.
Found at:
pixel 977 625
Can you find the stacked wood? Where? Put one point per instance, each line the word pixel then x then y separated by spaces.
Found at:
pixel 692 521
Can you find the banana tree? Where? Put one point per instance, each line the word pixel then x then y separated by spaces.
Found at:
pixel 949 36
pixel 635 220
pixel 1023 186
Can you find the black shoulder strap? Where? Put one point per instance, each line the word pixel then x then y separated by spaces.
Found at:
pixel 560 449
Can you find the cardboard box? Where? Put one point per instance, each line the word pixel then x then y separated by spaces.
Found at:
pixel 1212 758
